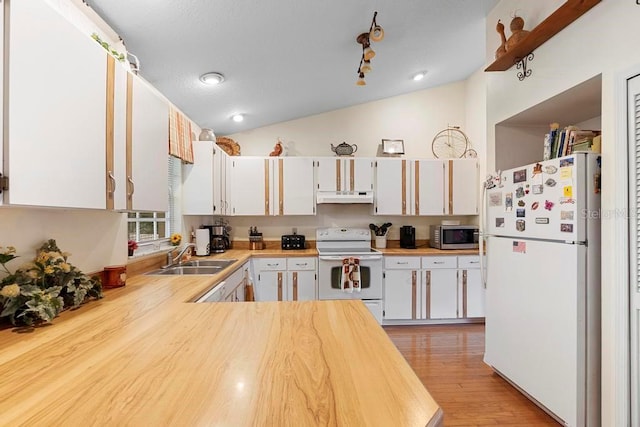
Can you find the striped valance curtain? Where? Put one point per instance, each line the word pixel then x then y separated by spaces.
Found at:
pixel 180 136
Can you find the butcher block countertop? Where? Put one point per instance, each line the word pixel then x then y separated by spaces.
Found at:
pixel 144 355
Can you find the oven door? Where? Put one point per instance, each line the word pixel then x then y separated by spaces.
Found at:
pixel 330 273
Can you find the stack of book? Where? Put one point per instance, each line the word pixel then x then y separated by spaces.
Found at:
pixel 563 142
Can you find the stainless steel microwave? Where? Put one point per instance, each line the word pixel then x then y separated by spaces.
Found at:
pixel 454 236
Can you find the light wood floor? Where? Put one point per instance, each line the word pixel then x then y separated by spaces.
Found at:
pixel 448 361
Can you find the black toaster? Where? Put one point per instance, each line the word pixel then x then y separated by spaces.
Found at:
pixel 292 241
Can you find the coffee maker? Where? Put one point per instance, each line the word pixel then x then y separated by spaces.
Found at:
pixel 407 237
pixel 219 238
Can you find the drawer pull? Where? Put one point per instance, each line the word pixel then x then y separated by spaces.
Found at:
pixel 438 262
pixel 402 263
pixel 295 286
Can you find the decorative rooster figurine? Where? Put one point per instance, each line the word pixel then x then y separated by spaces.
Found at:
pixel 503 48
pixel 277 149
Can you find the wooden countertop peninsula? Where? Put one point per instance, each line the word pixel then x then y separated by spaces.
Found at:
pixel 143 355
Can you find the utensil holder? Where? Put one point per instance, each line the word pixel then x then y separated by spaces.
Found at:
pixel 380 241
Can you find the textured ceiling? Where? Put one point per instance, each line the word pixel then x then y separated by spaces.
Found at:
pixel 288 59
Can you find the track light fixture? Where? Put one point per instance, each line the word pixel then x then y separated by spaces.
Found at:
pixel 376 34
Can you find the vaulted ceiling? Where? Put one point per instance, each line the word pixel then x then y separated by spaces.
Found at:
pixel 288 59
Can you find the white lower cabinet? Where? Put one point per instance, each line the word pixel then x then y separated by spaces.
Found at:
pixel 301 279
pixel 401 281
pixel 285 279
pixel 236 283
pixel 439 288
pixel 471 292
pixel 442 293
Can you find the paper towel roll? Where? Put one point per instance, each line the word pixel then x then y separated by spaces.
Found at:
pixel 202 242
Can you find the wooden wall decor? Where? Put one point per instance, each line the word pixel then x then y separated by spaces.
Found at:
pixel 521 53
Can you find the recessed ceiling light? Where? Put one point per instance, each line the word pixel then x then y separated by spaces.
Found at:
pixel 212 78
pixel 419 76
pixel 237 118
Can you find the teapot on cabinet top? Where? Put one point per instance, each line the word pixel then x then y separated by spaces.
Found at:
pixel 344 149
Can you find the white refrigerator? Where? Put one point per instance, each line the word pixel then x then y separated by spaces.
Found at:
pixel 542 231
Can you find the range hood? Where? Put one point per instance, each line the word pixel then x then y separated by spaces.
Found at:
pixel 344 197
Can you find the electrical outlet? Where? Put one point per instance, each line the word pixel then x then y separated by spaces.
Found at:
pixel 294 230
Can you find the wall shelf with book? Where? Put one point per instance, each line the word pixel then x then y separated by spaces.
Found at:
pixel 519 140
pixel 560 142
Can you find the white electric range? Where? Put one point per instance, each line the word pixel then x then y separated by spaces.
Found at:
pixel 336 244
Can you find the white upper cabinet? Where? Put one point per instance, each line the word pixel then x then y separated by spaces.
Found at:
pixel 392 183
pixel 426 187
pixel 428 179
pixel 329 174
pixel 272 186
pixel 117 149
pixel 251 186
pixel 147 140
pixel 89 135
pixel 295 193
pixel 221 181
pixel 198 181
pixel 354 174
pixel 55 133
pixel 204 182
pixel 462 186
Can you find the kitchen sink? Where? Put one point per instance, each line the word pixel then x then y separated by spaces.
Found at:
pixel 222 263
pixel 180 270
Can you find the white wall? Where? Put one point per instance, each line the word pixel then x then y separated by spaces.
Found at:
pixel 415 118
pixel 95 239
pixel 604 40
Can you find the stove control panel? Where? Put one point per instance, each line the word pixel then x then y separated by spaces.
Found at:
pixel 343 234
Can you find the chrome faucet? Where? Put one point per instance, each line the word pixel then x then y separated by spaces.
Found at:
pixel 178 259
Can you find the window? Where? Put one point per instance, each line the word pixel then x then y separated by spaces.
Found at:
pixel 152 226
pixel 146 226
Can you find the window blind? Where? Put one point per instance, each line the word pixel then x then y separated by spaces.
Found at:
pixel 175 195
pixel 635 185
pixel 633 115
pixel 180 136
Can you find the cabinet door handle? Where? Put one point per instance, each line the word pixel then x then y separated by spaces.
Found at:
pixel 464 293
pixel 414 285
pixel 427 297
pixel 131 186
pixel 295 286
pixel 279 286
pixel 112 181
